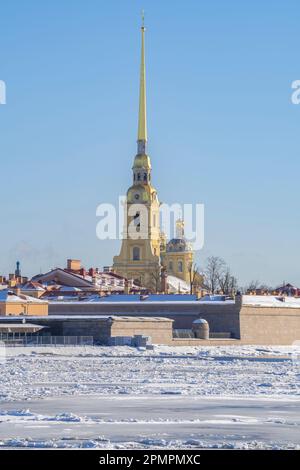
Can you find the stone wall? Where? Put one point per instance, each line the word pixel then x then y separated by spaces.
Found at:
pixel 221 318
pixel 249 324
pixel 269 325
pixel 159 330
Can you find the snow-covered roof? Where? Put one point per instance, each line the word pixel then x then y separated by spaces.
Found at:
pixel 213 298
pixel 271 301
pixel 100 280
pixel 176 284
pixel 16 327
pixel 137 316
pixel 8 296
pixel 30 286
pixel 144 298
pixel 69 289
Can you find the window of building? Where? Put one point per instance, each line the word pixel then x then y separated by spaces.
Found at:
pixel 136 253
pixel 180 266
pixel 139 176
pixel 137 222
pixel 171 266
pixel 145 176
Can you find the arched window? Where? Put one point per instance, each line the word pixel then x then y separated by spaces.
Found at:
pixel 139 176
pixel 136 253
pixel 171 266
pixel 180 266
pixel 137 221
pixel 145 176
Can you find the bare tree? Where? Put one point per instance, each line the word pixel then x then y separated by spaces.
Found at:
pixel 218 277
pixel 215 268
pixel 227 282
pixel 254 286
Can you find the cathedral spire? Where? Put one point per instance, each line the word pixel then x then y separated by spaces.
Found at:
pixel 142 126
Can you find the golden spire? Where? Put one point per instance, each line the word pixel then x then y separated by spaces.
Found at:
pixel 142 127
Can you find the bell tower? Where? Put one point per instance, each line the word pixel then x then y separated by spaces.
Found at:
pixel 139 258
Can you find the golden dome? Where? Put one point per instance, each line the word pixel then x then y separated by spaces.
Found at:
pixel 142 161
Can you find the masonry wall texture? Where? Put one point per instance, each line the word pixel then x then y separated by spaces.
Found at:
pixel 248 323
pixel 221 318
pixel 269 325
pixel 159 330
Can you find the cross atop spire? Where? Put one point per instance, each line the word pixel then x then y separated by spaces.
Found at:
pixel 142 126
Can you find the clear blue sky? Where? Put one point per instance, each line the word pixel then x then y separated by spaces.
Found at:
pixel 222 129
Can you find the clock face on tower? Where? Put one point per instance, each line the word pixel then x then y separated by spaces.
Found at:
pixel 136 196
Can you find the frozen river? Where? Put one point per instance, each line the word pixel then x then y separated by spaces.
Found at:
pixel 167 398
pixel 143 422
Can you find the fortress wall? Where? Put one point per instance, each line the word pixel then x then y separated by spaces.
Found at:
pixel 250 324
pixel 160 330
pixel 269 325
pixel 221 318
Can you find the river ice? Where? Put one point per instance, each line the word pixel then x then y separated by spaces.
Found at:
pixel 100 397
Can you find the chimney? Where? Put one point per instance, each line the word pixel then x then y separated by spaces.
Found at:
pixel 74 264
pixel 82 272
pixel 92 272
pixel 126 287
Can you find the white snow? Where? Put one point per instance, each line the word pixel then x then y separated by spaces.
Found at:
pixel 171 397
pixel 8 296
pixel 175 284
pixel 271 301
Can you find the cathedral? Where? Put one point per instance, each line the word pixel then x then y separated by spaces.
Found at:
pixel 145 255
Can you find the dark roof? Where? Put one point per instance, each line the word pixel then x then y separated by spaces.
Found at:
pixel 177 245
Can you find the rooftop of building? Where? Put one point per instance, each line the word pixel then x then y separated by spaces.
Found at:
pixel 185 299
pixel 20 328
pixel 116 299
pixel 8 296
pixel 18 319
pixel 271 301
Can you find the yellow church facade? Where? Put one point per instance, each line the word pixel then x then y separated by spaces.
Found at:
pixel 178 257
